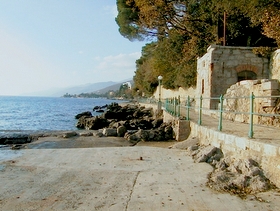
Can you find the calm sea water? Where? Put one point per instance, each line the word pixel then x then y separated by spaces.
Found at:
pixel 44 113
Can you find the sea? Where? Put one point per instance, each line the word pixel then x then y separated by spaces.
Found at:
pixel 44 113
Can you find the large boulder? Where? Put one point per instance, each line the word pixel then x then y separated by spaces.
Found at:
pixel 110 132
pixel 135 137
pixel 121 130
pixel 92 123
pixel 163 133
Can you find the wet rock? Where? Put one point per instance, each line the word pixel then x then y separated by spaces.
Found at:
pixel 86 113
pixel 99 111
pixel 15 139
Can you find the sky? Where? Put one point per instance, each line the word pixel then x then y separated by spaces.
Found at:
pixel 47 44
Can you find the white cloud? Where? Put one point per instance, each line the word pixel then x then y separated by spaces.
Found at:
pixel 111 10
pixel 118 67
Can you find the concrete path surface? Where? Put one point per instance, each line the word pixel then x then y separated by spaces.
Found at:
pixel 117 179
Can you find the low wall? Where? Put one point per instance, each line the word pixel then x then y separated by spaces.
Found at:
pixel 267 155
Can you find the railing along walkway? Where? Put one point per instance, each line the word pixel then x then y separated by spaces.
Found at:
pixel 262 133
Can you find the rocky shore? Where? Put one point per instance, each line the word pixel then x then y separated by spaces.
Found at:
pixel 131 122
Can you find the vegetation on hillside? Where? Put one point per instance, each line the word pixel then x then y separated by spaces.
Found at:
pixel 124 92
pixel 179 31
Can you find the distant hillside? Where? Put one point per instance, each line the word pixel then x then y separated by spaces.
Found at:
pixel 87 88
pixel 114 87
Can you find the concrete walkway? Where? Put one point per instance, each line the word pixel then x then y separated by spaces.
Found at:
pixel 118 179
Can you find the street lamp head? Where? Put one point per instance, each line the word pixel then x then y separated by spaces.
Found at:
pixel 160 77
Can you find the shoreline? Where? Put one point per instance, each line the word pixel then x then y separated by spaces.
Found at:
pixel 71 139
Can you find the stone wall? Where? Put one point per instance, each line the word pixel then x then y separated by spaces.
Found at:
pixel 168 93
pixel 263 103
pixel 220 67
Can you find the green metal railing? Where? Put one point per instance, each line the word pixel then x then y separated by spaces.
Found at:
pixel 174 106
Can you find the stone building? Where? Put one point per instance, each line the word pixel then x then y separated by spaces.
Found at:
pixel 223 66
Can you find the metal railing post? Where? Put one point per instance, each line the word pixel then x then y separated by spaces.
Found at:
pixel 251 121
pixel 174 105
pixel 179 107
pixel 220 126
pixel 188 108
pixel 168 105
pixel 200 110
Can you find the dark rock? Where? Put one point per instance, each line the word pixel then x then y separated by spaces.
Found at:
pixel 86 113
pixel 15 139
pixel 92 123
pixel 96 108
pixel 99 111
pixel 129 118
pixel 157 122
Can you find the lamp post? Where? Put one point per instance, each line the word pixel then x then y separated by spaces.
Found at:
pixel 159 92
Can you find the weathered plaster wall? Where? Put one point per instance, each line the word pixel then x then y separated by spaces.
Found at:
pixel 275 65
pixel 168 93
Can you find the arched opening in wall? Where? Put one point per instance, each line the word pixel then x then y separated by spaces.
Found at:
pixel 202 86
pixel 246 75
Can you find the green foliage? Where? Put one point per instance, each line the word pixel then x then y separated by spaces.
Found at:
pixel 263 51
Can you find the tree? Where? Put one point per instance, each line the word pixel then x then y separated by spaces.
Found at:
pixel 181 31
pixel 270 20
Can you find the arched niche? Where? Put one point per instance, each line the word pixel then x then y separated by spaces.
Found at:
pixel 246 75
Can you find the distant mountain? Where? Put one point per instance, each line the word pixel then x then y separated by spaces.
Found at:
pixel 99 88
pixel 114 87
pixel 86 88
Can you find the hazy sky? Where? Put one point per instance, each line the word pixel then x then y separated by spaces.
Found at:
pixel 59 43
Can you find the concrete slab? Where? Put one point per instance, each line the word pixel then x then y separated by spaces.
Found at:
pixel 125 178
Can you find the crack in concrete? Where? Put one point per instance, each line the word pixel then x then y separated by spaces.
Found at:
pixel 131 192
